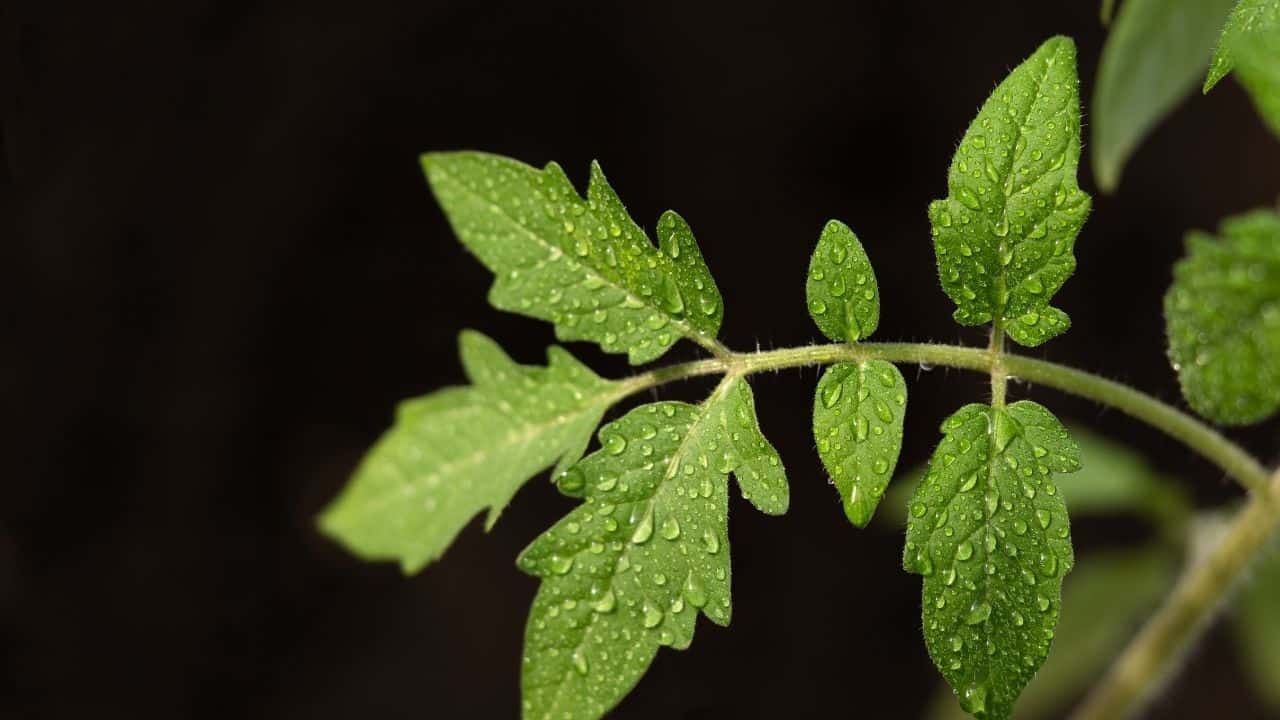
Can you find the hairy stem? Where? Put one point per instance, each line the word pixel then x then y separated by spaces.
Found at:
pixel 1158 649
pixel 1196 435
pixel 999 376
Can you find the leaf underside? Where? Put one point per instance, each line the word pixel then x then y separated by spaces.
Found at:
pixel 629 569
pixel 1248 16
pixel 460 450
pixel 1257 58
pixel 1004 236
pixel 1153 58
pixel 988 531
pixel 580 263
pixel 1223 320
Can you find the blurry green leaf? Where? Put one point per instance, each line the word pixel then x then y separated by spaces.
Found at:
pixel 459 450
pixel 1104 601
pixel 1005 234
pixel 988 531
pixel 1223 320
pixel 843 297
pixel 1114 479
pixel 858 410
pixel 1152 60
pixel 629 569
pixel 580 263
pixel 1247 17
pixel 1257 628
pixel 1257 57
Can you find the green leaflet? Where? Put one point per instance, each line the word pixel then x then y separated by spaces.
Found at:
pixel 1152 60
pixel 1257 58
pixel 1222 314
pixel 1105 599
pixel 1249 16
pixel 1257 629
pixel 583 265
pixel 1004 236
pixel 459 450
pixel 843 297
pixel 629 569
pixel 988 530
pixel 858 408
pixel 858 411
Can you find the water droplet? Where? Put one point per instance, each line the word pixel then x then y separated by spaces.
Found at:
pixel 965 550
pixel 882 411
pixel 978 614
pixel 1048 564
pixel 670 528
pixel 711 541
pixel 924 564
pixel 918 509
pixel 860 428
pixel 571 481
pixel 672 300
pixel 1044 518
pixel 672 246
pixel 818 307
pixel 694 592
pixel 606 603
pixel 580 661
pixel 974 699
pixel 644 530
pixel 652 616
pixel 615 444
pixel 560 564
pixel 831 394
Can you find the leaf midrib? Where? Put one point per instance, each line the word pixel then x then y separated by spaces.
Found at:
pixel 520 435
pixel 672 467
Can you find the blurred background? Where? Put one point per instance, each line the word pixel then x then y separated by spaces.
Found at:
pixel 222 269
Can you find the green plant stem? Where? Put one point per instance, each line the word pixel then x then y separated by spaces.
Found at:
pixel 1158 649
pixel 1155 653
pixel 999 375
pixel 1196 435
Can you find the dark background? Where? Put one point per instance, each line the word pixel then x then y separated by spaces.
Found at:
pixel 221 268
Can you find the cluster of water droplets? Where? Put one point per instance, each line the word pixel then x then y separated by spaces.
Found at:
pixel 1004 238
pixel 857 424
pixel 841 290
pixel 581 263
pixel 990 535
pixel 629 569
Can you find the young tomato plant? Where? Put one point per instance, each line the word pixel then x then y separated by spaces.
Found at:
pixel 631 567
